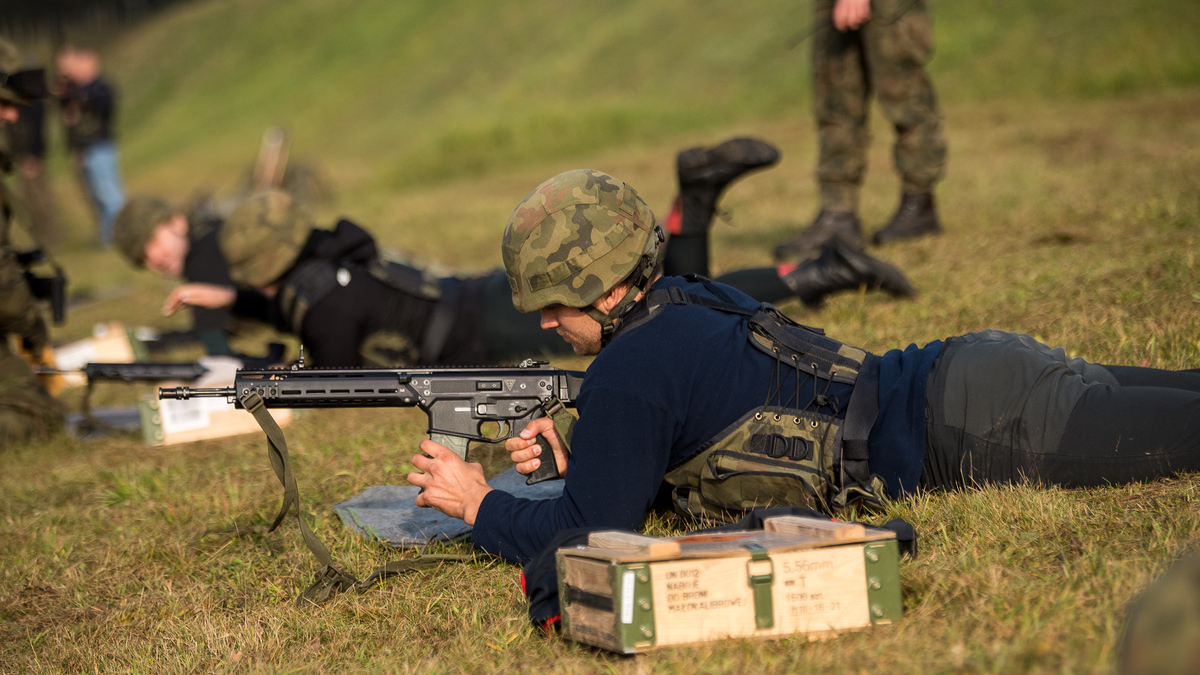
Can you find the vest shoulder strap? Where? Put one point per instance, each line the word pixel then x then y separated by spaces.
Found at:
pixel 441 321
pixel 860 417
pixel 648 307
pixel 407 279
pixel 309 283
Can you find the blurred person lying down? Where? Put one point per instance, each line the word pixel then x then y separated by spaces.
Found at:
pixel 352 306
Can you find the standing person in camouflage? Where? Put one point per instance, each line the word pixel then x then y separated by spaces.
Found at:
pixel 26 410
pixel 89 115
pixel 861 48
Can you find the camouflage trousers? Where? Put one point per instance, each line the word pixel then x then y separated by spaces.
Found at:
pixel 886 58
pixel 26 410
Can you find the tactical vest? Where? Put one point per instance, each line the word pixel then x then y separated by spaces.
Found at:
pixel 313 280
pixel 783 452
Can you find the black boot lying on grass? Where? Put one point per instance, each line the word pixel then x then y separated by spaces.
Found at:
pixel 839 267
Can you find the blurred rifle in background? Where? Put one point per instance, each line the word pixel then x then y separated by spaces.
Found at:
pixel 125 372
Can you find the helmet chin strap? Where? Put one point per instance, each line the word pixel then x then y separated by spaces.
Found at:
pixel 647 265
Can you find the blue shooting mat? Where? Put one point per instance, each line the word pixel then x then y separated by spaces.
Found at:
pixel 388 512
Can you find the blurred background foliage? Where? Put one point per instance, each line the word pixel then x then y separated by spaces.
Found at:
pixel 425 90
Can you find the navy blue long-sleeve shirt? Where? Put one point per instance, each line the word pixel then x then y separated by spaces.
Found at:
pixel 648 402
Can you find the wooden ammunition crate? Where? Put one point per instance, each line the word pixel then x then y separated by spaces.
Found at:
pixel 628 593
pixel 170 422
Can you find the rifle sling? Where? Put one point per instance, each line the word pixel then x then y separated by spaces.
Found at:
pixel 564 422
pixel 437 332
pixel 330 580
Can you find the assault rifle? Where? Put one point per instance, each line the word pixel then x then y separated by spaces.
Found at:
pixel 460 401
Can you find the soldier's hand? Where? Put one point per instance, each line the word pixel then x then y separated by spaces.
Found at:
pixel 850 14
pixel 199 295
pixel 448 484
pixel 525 452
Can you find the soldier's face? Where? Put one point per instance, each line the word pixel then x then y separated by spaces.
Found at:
pixel 168 247
pixel 8 113
pixel 580 331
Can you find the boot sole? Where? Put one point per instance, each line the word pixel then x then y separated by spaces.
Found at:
pixel 746 154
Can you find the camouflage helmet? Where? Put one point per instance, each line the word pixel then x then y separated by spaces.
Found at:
pixel 574 238
pixel 134 226
pixel 18 82
pixel 262 238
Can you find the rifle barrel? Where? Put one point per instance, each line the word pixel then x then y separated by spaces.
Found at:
pixel 185 393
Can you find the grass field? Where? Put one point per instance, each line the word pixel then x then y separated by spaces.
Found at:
pixel 1072 207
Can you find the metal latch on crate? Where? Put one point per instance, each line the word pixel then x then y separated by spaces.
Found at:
pixel 761 583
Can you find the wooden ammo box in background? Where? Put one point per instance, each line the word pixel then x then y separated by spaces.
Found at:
pixel 171 422
pixel 629 593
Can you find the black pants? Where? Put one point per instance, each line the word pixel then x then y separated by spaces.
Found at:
pixel 1003 408
pixel 1147 427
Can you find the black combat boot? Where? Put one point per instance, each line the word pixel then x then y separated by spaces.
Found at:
pixel 827 226
pixel 704 173
pixel 839 267
pixel 916 216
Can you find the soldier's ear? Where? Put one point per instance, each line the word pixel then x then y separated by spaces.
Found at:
pixel 606 302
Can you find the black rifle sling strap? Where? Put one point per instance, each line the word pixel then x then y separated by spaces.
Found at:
pixel 331 580
pixel 437 332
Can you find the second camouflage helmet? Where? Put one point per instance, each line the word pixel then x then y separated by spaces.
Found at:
pixel 575 237
pixel 134 226
pixel 263 237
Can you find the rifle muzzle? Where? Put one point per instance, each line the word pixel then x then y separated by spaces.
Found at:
pixel 185 393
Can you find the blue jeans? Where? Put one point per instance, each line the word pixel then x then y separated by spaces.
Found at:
pixel 102 176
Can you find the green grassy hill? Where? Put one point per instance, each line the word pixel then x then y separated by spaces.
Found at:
pixel 421 90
